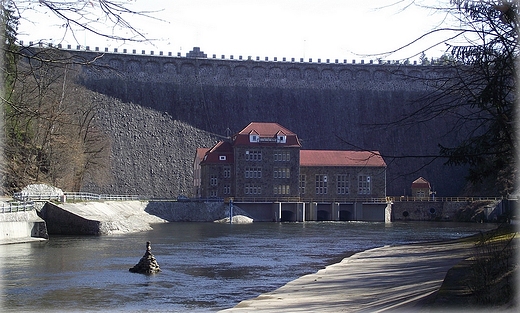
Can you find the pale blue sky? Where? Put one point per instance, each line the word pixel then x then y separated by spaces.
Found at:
pixel 334 29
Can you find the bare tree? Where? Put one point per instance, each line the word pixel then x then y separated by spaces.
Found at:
pixel 109 19
pixel 52 130
pixel 51 133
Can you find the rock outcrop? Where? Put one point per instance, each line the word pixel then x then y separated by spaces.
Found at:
pixel 148 264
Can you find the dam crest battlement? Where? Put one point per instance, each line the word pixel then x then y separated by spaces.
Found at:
pixel 196 64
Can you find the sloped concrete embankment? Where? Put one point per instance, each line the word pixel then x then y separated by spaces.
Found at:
pixel 98 218
pixel 117 217
pixel 22 227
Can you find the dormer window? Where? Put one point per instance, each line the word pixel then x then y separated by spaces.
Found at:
pixel 254 138
pixel 281 139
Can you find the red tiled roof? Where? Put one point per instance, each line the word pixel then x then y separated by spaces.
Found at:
pixel 199 155
pixel 341 158
pixel 420 183
pixel 266 130
pixel 222 148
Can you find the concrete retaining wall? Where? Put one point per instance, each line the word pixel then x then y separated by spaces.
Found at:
pixel 21 227
pixel 464 211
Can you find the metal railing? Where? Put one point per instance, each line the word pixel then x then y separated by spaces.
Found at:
pixel 304 199
pixel 442 199
pixel 9 207
pixel 73 196
pixel 365 200
pixel 85 196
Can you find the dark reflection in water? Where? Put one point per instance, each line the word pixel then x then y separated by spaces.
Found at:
pixel 205 266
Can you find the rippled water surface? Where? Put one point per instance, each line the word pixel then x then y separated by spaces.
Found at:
pixel 204 266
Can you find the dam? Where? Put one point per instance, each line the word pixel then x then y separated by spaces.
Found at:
pixel 158 108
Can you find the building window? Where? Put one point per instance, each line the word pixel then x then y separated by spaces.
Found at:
pixel 213 180
pixel 342 184
pixel 253 172
pixel 250 189
pixel 281 190
pixel 363 185
pixel 213 193
pixel 227 172
pixel 281 172
pixel 227 189
pixel 302 184
pixel 281 156
pixel 253 155
pixel 321 184
pixel 222 157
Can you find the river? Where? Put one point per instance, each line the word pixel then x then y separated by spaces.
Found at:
pixel 205 267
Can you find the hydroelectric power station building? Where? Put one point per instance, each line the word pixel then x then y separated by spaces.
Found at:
pixel 264 163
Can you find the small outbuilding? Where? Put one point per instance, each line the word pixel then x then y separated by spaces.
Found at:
pixel 421 188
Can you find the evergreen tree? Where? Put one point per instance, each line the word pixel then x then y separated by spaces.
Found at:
pixel 485 83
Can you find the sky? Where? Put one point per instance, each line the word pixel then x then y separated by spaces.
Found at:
pixel 326 29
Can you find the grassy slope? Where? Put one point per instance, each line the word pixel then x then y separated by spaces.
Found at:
pixel 487 280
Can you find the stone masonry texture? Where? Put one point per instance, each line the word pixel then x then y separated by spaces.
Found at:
pixel 158 109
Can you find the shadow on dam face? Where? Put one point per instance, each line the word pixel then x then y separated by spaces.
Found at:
pixel 358 103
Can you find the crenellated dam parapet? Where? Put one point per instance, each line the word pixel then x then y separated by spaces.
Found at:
pixel 264 73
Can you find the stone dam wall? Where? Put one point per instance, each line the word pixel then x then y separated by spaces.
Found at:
pixel 158 109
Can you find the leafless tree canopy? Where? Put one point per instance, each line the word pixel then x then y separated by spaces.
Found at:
pixel 51 133
pixel 109 19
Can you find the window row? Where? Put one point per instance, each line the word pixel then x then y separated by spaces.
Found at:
pixel 321 182
pixel 226 191
pixel 251 189
pixel 282 156
pixel 281 172
pixel 342 184
pixel 278 155
pixel 253 172
pixel 253 155
pixel 282 190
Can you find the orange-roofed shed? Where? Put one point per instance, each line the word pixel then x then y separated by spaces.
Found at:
pixel 421 188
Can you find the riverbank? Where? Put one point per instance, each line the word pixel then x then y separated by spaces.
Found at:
pixel 391 278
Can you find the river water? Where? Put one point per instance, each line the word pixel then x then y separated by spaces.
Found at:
pixel 205 267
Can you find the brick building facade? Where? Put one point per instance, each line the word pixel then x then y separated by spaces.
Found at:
pixel 265 162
